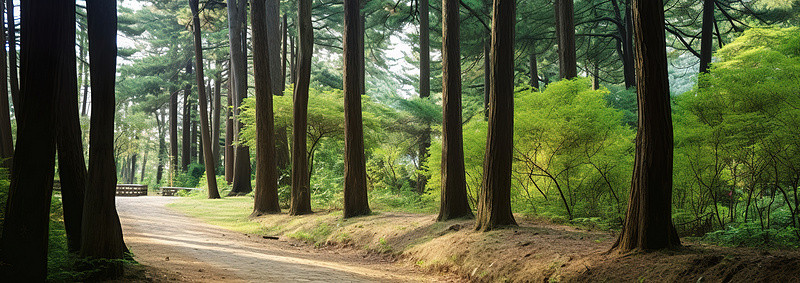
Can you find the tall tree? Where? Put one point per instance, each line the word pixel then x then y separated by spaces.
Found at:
pixel 706 44
pixel 494 201
pixel 173 134
pixel 6 138
pixel 69 145
pixel 101 230
pixel 186 141
pixel 12 54
pixel 301 194
pixel 230 151
pixel 424 83
pixel 454 203
pixel 648 221
pixel 266 195
pixel 355 173
pixel 565 31
pixel 47 46
pixel 237 14
pixel 215 120
pixel 205 136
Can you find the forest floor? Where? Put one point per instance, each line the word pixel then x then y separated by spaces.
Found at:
pixel 419 248
pixel 171 246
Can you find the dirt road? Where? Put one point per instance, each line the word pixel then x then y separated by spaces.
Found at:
pixel 189 250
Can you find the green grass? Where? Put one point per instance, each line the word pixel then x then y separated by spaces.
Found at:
pixel 230 212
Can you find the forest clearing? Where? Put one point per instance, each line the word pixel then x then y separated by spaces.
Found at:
pixel 400 140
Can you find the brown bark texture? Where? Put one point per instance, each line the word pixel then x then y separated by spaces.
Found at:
pixel 301 192
pixel 424 84
pixel 6 138
pixel 266 195
pixel 355 175
pixel 454 203
pixel 648 221
pixel 101 231
pixel 45 35
pixel 237 11
pixel 494 201
pixel 205 136
pixel 565 31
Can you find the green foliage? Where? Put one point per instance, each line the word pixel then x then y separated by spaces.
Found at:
pixel 567 140
pixel 737 156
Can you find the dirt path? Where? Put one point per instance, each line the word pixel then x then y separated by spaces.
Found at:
pixel 187 250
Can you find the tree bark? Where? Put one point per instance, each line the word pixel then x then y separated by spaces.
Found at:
pixel 706 44
pixel 534 69
pixel 215 126
pixel 229 133
pixel 132 170
pixel 424 85
pixel 205 136
pixel 241 166
pixel 6 136
pixel 12 57
pixel 144 166
pixel 565 31
pixel 186 145
pixel 173 134
pixel 45 34
pixel 355 175
pixel 162 147
pixel 101 233
pixel 494 202
pixel 648 221
pixel 624 47
pixel 487 70
pixel 301 193
pixel 454 203
pixel 83 72
pixel 278 75
pixel 266 195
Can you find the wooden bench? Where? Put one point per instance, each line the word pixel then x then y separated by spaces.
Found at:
pixel 171 191
pixel 131 190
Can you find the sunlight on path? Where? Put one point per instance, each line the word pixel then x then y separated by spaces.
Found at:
pixel 169 240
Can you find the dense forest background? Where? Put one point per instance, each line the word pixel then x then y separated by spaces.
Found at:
pixel 733 73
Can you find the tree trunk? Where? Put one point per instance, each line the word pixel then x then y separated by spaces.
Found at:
pixel 534 69
pixel 83 73
pixel 241 166
pixel 186 145
pixel 215 121
pixel 454 203
pixel 266 195
pixel 173 134
pixel 565 31
pixel 229 132
pixel 162 147
pixel 487 70
pixel 45 34
pixel 12 57
pixel 193 145
pixel 292 61
pixel 494 203
pixel 144 166
pixel 284 59
pixel 6 136
pixel 424 85
pixel 101 233
pixel 278 75
pixel 624 47
pixel 301 194
pixel 132 171
pixel 205 136
pixel 648 221
pixel 355 175
pixel 706 44
pixel 362 19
